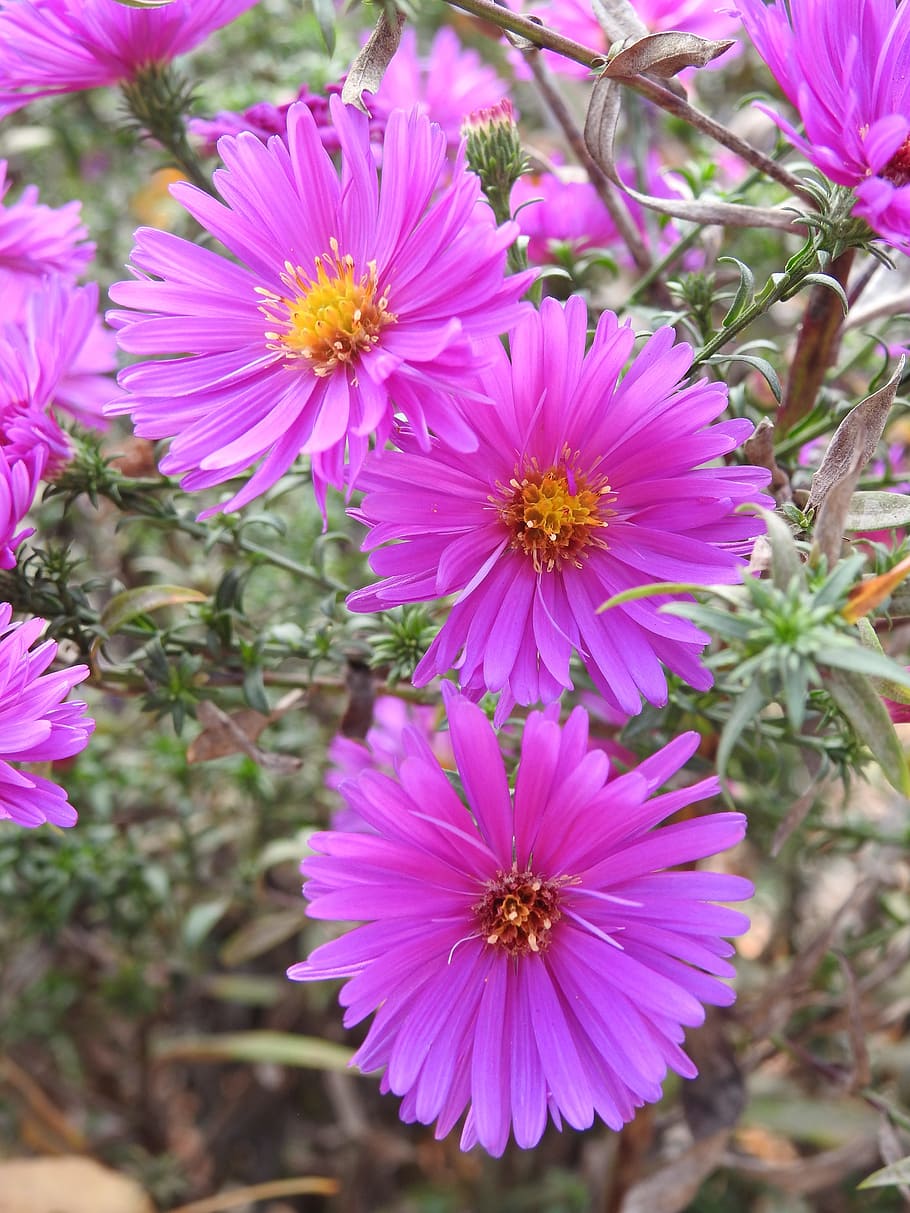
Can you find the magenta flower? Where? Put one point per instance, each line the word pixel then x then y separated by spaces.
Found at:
pixel 846 69
pixel 584 484
pixel 264 120
pixel 527 954
pixel 575 19
pixel 36 240
pixel 381 749
pixel 354 301
pixel 55 357
pixel 447 84
pixel 36 725
pixel 49 47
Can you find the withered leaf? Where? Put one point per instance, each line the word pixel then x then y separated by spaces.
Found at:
pixel 372 59
pixel 664 54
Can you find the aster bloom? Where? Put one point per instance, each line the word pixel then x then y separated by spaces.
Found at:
pixel 576 19
pixel 584 484
pixel 36 725
pixel 51 47
pixel 55 356
pixel 446 84
pixel 355 300
pixel 36 240
pixel 846 69
pixel 265 119
pixel 381 749
pixel 525 954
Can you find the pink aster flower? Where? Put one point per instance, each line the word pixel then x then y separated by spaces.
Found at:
pixel 264 120
pixel 36 725
pixel 528 953
pixel 447 84
pixel 575 19
pixel 585 482
pixel 381 749
pixel 36 240
pixel 49 47
pixel 353 301
pixel 846 69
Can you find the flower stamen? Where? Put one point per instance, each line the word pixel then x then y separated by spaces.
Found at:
pixel 553 515
pixel 518 911
pixel 897 170
pixel 330 317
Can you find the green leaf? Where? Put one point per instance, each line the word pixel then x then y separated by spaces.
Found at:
pixel 279 1048
pixel 842 654
pixel 649 591
pixel 744 292
pixel 745 709
pixel 200 920
pixel 874 511
pixel 859 701
pixel 324 11
pixel 892 1175
pixel 832 284
pixel 762 365
pixel 261 935
pixel 131 603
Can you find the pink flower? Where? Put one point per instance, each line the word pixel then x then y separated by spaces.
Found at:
pixel 36 725
pixel 575 19
pixel 528 955
pixel 846 69
pixel 49 47
pixel 340 298
pixel 583 484
pixel 36 240
pixel 382 749
pixel 447 84
pixel 264 120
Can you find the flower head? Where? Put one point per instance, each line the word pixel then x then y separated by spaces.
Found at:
pixel 37 240
pixel 350 294
pixel 265 119
pixel 446 84
pixel 36 725
pixel 49 47
pixel 526 954
pixel 584 483
pixel 846 69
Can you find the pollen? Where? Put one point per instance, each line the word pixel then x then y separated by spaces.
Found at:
pixel 518 911
pixel 554 515
pixel 897 170
pixel 331 316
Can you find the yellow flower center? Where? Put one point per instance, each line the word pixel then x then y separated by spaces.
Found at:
pixel 329 318
pixel 553 516
pixel 518 911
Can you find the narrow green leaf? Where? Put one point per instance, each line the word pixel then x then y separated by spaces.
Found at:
pixel 874 511
pixel 649 591
pixel 261 935
pixel 131 603
pixel 859 701
pixel 832 284
pixel 279 1048
pixel 744 292
pixel 890 1176
pixel 846 656
pixel 745 709
pixel 324 11
pixel 762 365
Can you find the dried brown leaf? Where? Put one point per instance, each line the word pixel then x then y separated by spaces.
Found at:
pixel 234 734
pixel 674 1186
pixel 600 136
pixel 372 59
pixel 664 55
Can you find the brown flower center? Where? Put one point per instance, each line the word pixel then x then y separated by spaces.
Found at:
pixel 897 170
pixel 518 911
pixel 328 318
pixel 554 515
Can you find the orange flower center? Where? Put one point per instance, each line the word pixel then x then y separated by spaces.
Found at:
pixel 897 170
pixel 553 516
pixel 518 911
pixel 329 318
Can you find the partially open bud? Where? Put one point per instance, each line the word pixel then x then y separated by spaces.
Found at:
pixel 494 153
